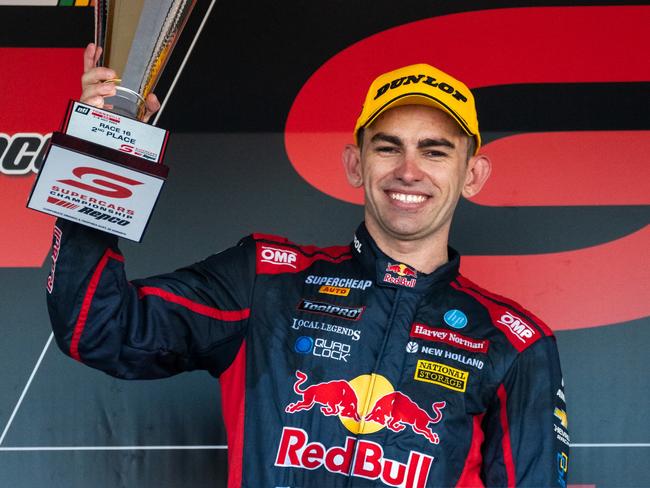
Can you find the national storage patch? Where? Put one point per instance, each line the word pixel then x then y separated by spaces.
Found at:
pixel 441 374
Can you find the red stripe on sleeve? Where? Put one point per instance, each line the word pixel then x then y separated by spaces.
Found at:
pixel 212 312
pixel 88 298
pixel 515 306
pixel 233 391
pixel 471 475
pixel 507 446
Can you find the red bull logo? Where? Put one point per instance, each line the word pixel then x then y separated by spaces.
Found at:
pixel 396 410
pixel 336 397
pixel 403 273
pixel 358 458
pixel 385 407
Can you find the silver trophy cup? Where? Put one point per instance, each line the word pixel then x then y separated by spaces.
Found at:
pixel 137 37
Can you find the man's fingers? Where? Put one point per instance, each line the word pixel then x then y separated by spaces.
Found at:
pixel 97 75
pixel 92 54
pixel 96 101
pixel 151 105
pixel 97 90
pixel 89 57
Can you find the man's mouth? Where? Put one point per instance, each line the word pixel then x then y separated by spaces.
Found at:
pixel 406 197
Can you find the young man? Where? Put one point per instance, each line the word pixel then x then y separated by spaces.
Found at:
pixel 373 364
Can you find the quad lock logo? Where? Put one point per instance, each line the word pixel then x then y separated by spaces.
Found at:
pixel 323 348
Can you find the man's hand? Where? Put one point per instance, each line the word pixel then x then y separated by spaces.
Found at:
pixel 94 89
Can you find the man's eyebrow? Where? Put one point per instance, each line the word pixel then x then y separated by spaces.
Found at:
pixel 381 136
pixel 436 143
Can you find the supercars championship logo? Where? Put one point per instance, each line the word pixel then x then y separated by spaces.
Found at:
pixel 387 408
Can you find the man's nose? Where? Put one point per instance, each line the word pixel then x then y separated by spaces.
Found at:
pixel 408 169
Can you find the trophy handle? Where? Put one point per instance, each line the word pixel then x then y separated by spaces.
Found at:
pixel 127 102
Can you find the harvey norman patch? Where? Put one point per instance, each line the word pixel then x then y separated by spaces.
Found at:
pixel 452 338
pixel 441 374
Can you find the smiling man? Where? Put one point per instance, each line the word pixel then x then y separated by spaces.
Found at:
pixel 370 364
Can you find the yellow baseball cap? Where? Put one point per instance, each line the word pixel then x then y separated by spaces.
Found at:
pixel 421 84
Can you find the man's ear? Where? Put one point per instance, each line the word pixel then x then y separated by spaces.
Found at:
pixel 478 171
pixel 352 165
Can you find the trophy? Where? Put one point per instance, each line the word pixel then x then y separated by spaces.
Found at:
pixel 104 168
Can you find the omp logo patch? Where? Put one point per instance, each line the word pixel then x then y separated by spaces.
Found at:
pixel 278 256
pixel 520 329
pixel 441 374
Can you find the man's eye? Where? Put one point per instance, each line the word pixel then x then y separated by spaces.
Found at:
pixel 435 154
pixel 386 149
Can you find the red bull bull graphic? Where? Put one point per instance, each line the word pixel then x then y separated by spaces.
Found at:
pixel 382 407
pixel 396 410
pixel 336 397
pixel 406 276
pixel 358 458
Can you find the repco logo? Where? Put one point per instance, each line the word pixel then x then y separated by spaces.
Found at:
pixel 22 153
pixel 101 186
pixel 279 257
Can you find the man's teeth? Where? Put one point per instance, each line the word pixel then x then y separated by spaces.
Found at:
pixel 406 198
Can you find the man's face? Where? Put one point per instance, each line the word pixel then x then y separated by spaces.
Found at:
pixel 413 167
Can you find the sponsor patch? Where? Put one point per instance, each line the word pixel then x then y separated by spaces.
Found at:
pixel 353 334
pixel 337 282
pixel 401 275
pixel 322 348
pixel 455 318
pixel 357 244
pixel 561 416
pixel 443 353
pixel 412 347
pixel 561 434
pixel 340 311
pixel 334 290
pixel 278 256
pixel 422 331
pixel 356 458
pixel 517 327
pixel 562 468
pixel 442 375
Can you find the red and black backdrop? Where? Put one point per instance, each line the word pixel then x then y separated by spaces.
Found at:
pixel 259 114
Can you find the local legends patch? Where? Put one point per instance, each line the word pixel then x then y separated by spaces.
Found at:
pixel 347 313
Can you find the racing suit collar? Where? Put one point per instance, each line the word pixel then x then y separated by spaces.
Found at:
pixel 392 273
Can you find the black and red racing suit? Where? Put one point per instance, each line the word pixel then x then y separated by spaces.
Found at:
pixel 338 366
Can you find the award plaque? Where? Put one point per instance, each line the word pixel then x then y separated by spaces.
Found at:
pixel 104 168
